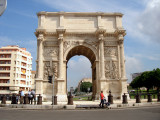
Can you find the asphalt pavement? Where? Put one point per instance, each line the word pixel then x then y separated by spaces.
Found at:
pixel 140 113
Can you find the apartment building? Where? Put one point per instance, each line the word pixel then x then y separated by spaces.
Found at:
pixel 15 69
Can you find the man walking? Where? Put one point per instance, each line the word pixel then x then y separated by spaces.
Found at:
pixel 21 96
pixel 102 99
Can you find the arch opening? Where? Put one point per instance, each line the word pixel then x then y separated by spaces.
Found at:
pixel 84 53
pixel 82 50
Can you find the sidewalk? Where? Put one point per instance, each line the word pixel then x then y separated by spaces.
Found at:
pixel 82 105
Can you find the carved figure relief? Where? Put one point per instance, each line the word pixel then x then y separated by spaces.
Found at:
pixel 92 43
pixel 114 70
pixel 111 70
pixel 110 51
pixel 50 52
pixel 55 70
pixel 107 70
pixel 109 43
pixel 68 44
pixel 46 70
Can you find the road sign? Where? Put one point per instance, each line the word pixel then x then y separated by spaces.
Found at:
pixel 3 5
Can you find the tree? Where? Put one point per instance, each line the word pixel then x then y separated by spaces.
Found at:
pixel 75 90
pixel 156 78
pixel 85 85
pixel 147 79
pixel 137 82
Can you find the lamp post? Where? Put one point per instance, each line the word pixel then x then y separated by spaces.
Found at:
pixel 52 91
pixel 3 5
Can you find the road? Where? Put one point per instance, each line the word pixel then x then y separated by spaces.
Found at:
pixel 145 113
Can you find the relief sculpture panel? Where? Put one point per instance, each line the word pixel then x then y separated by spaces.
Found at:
pixel 55 70
pixel 92 43
pixel 46 70
pixel 68 44
pixel 50 52
pixel 110 51
pixel 111 70
pixel 114 70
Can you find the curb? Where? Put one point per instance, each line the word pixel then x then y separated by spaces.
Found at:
pixel 73 107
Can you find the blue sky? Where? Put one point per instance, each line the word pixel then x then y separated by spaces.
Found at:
pixel 141 20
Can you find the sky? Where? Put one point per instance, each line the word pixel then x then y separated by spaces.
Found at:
pixel 141 22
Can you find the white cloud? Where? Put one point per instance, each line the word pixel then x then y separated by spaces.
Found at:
pixel 133 65
pixel 149 56
pixel 24 14
pixel 78 68
pixel 29 44
pixel 141 20
pixel 81 66
pixel 148 21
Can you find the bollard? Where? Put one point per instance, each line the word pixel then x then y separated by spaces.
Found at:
pixel 149 98
pixel 144 96
pixel 110 98
pixel 158 97
pixel 3 99
pixel 154 96
pixel 93 97
pixel 14 99
pixel 124 99
pixel 138 100
pixel 55 100
pixel 21 99
pixel 26 101
pixel 39 102
pixel 70 100
pixel 34 98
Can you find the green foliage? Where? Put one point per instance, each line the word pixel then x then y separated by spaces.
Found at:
pixel 137 82
pixel 85 85
pixel 147 79
pixel 75 90
pixel 157 77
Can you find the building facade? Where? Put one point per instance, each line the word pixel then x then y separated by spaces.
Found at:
pixel 98 36
pixel 15 69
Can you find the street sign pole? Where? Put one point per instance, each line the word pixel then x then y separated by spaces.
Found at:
pixel 52 91
pixel 3 5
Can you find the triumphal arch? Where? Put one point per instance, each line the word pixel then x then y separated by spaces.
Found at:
pixel 98 36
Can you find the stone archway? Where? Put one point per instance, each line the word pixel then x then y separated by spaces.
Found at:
pixel 98 36
pixel 87 52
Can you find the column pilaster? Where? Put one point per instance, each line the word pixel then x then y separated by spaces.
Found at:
pixel 39 78
pixel 123 72
pixel 101 33
pixel 60 33
pixel 40 55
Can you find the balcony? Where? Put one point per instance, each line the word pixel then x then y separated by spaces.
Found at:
pixel 5 65
pixel 4 77
pixel 4 71
pixel 5 61
pixel 4 84
pixel 5 56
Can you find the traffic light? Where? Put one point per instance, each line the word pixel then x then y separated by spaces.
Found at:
pixel 50 79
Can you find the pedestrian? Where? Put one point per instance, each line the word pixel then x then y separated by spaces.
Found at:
pixel 17 97
pixel 105 102
pixel 21 96
pixel 102 99
pixel 29 96
pixel 33 96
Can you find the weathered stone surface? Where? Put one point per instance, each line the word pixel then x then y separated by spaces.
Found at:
pixel 98 36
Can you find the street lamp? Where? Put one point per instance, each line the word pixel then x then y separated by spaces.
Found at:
pixel 52 91
pixel 3 5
